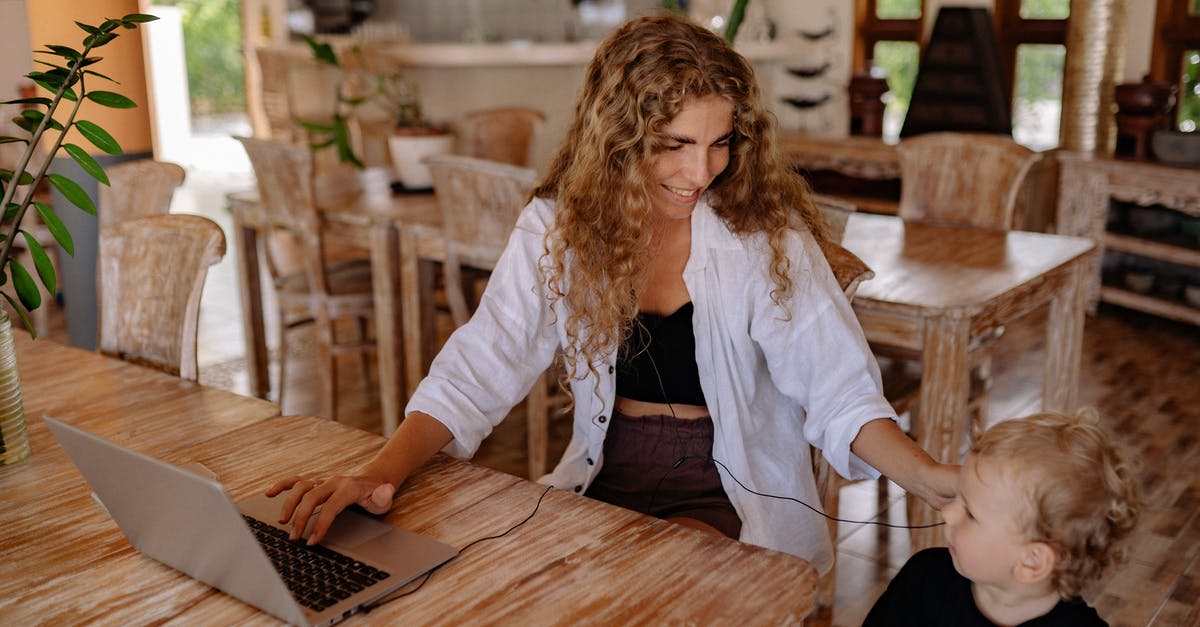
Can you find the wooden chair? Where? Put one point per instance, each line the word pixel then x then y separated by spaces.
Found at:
pixel 480 202
pixel 152 271
pixel 504 134
pixel 964 179
pixel 138 189
pixel 323 292
pixel 961 179
pixel 849 271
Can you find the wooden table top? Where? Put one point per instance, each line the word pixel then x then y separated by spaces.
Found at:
pixel 49 527
pixel 924 267
pixel 577 560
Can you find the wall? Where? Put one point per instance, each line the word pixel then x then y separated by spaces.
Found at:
pixel 16 58
pixel 53 21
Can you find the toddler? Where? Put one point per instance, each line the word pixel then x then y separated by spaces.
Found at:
pixel 1042 505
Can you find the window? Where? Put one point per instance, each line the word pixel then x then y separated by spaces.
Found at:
pixel 1031 35
pixel 1176 56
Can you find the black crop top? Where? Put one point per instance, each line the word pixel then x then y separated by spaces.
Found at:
pixel 668 343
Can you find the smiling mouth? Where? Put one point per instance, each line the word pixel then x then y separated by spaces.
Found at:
pixel 686 193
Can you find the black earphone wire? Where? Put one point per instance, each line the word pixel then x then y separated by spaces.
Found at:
pixel 400 595
pixel 680 461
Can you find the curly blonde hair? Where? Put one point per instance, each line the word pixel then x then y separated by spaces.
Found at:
pixel 640 78
pixel 1082 496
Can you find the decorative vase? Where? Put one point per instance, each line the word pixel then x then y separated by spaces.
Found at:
pixel 14 441
pixel 409 147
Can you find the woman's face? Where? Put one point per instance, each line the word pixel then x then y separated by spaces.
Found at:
pixel 697 150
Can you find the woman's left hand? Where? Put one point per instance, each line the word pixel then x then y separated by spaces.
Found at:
pixel 941 481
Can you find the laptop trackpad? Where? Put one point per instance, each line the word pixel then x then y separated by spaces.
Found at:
pixel 349 529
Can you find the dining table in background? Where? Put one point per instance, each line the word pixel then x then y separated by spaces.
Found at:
pixel 939 288
pixel 571 562
pixel 370 219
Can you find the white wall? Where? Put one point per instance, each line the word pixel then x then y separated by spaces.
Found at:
pixel 16 56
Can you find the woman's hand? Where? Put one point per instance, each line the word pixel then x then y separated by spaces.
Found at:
pixel 941 481
pixel 331 496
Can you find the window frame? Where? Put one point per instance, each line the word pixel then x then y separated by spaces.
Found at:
pixel 1175 32
pixel 871 30
pixel 1012 31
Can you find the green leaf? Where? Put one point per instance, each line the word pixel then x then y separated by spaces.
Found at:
pixel 9 214
pixel 110 25
pixel 98 136
pixel 41 262
pixel 65 52
pixel 139 18
pixel 99 75
pixel 34 101
pixel 56 227
pixel 316 127
pixel 110 99
pixel 95 41
pixel 27 290
pixel 19 309
pixel 86 162
pixel 91 61
pixel 72 192
pixel 36 117
pixel 322 52
pixel 88 28
pixel 25 124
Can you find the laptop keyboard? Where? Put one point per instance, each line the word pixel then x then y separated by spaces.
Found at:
pixel 317 576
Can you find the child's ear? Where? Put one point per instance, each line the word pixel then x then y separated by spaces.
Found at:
pixel 1037 563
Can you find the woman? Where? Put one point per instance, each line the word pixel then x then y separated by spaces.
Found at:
pixel 673 259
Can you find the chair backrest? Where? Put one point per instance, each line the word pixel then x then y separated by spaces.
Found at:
pixel 967 179
pixel 836 213
pixel 138 189
pixel 284 173
pixel 153 272
pixel 847 268
pixel 504 134
pixel 480 201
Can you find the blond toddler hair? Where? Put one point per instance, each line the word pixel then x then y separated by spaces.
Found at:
pixel 1081 497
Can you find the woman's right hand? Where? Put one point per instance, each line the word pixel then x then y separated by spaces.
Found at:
pixel 331 497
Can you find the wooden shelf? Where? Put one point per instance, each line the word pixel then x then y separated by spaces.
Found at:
pixel 1150 304
pixel 1149 248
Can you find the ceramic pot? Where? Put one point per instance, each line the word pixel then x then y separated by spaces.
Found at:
pixel 409 149
pixel 14 440
pixel 1148 97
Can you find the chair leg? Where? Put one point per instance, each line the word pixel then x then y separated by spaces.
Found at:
pixel 364 358
pixel 329 377
pixel 537 426
pixel 283 350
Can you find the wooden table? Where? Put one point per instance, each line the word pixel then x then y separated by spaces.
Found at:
pixel 50 530
pixel 353 216
pixel 937 289
pixel 576 561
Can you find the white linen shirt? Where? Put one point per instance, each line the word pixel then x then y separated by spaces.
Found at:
pixel 772 385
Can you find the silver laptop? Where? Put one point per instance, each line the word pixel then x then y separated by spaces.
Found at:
pixel 188 522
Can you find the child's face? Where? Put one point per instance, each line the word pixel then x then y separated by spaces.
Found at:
pixel 982 523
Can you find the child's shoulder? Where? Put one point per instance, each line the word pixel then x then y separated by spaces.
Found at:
pixel 1069 613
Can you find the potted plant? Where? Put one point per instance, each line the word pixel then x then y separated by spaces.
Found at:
pixel 361 92
pixel 68 77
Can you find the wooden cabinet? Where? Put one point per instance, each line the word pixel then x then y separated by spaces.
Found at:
pixel 1087 187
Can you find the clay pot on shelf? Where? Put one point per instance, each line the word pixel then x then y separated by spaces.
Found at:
pixel 1149 97
pixel 1141 109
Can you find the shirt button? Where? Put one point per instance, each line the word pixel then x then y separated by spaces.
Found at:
pixel 610 370
pixel 590 462
pixel 578 489
pixel 602 419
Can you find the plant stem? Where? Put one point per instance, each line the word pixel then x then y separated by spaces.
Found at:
pixel 74 70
